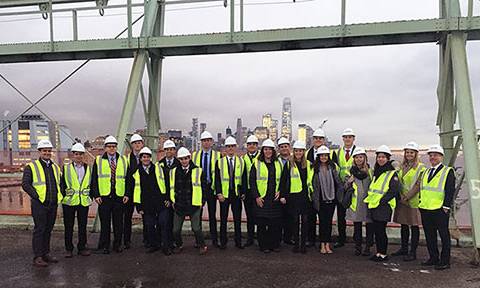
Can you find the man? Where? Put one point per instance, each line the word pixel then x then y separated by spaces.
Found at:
pixel 230 190
pixel 343 158
pixel 75 186
pixel 137 143
pixel 187 195
pixel 285 152
pixel 41 181
pixel 152 202
pixel 108 188
pixel 437 188
pixel 206 159
pixel 168 163
pixel 249 201
pixel 318 140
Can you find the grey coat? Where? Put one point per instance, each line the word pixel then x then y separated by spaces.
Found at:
pixel 317 189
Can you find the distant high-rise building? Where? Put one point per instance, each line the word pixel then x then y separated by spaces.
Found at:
pixel 194 133
pixel 261 133
pixel 203 127
pixel 174 134
pixel 305 134
pixel 267 120
pixel 240 133
pixel 228 132
pixel 273 130
pixel 287 118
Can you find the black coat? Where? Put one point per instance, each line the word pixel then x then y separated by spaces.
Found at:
pixel 151 199
pixel 183 190
pixel 297 203
pixel 272 208
pixel 384 212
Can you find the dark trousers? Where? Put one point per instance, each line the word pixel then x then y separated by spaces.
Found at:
pixel 212 215
pixel 405 235
pixel 110 211
pixel 381 239
pixel 286 225
pixel 325 216
pixel 299 228
pixel 236 205
pixel 436 222
pixel 127 222
pixel 196 223
pixel 312 226
pixel 341 223
pixel 44 220
pixel 268 233
pixel 169 229
pixel 249 203
pixel 69 221
pixel 357 234
pixel 157 225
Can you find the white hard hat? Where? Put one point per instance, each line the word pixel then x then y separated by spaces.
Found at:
pixel 268 143
pixel 135 138
pixel 110 140
pixel 412 146
pixel 145 150
pixel 78 147
pixel 348 132
pixel 183 152
pixel 230 141
pixel 252 139
pixel 282 141
pixel 323 150
pixel 319 133
pixel 44 143
pixel 359 151
pixel 383 149
pixel 206 135
pixel 299 145
pixel 435 149
pixel 168 144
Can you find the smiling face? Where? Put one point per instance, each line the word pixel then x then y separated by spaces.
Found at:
pixel 231 149
pixel 111 149
pixel 78 157
pixel 146 159
pixel 348 140
pixel 323 158
pixel 170 152
pixel 252 147
pixel 137 146
pixel 284 150
pixel 318 141
pixel 268 153
pixel 382 159
pixel 184 161
pixel 410 154
pixel 45 153
pixel 435 158
pixel 359 159
pixel 298 154
pixel 207 143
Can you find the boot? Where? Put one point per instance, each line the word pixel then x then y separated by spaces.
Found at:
pixel 358 249
pixel 410 256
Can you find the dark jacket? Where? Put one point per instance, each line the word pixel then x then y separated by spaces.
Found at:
pixel 132 167
pixel 317 196
pixel 51 194
pixel 166 171
pixel 310 156
pixel 296 202
pixel 94 192
pixel 218 182
pixel 183 190
pixel 151 199
pixel 384 212
pixel 449 186
pixel 271 208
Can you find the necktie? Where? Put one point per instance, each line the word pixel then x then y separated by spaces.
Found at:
pixel 113 168
pixel 430 175
pixel 206 166
pixel 347 154
pixel 169 163
pixel 231 174
pixel 146 170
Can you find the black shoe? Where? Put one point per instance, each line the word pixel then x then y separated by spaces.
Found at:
pixel 249 243
pixel 400 252
pixel 429 262
pixel 309 244
pixel 152 250
pixel 118 249
pixel 266 251
pixel 167 252
pixel 358 250
pixel 127 245
pixel 215 244
pixel 276 250
pixel 373 258
pixel 289 242
pixel 223 246
pixel 366 251
pixel 295 249
pixel 381 259
pixel 412 256
pixel 442 266
pixel 338 245
pixel 106 251
pixel 239 246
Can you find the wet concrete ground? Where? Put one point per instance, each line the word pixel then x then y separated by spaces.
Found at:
pixel 220 268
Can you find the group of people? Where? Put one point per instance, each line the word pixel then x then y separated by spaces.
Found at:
pixel 282 193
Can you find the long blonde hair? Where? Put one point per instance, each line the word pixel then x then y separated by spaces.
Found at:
pixel 303 161
pixel 365 167
pixel 407 165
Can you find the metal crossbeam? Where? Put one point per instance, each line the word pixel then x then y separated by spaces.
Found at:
pixel 19 3
pixel 381 33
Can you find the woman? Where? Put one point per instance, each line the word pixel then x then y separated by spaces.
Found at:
pixel 326 186
pixel 265 188
pixel 357 185
pixel 381 199
pixel 294 185
pixel 406 212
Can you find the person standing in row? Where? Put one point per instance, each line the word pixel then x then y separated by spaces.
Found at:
pixel 407 213
pixel 41 181
pixel 187 194
pixel 326 186
pixel 343 158
pixel 108 188
pixel 75 187
pixel 133 160
pixel 249 201
pixel 437 189
pixel 357 184
pixel 230 190
pixel 265 185
pixel 294 183
pixel 206 159
pixel 312 154
pixel 381 199
pixel 284 158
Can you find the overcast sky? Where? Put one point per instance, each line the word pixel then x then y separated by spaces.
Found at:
pixel 387 94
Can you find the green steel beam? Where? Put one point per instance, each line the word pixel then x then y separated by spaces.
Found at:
pixel 382 33
pixel 19 3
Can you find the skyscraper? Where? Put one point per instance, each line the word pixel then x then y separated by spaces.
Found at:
pixel 203 127
pixel 273 130
pixel 267 120
pixel 305 134
pixel 194 133
pixel 287 118
pixel 239 133
pixel 228 131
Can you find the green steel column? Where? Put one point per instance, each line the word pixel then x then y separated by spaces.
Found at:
pixel 447 111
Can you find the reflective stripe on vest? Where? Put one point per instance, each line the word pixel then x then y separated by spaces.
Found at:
pixel 215 155
pixel 76 193
pixel 248 166
pixel 160 178
pixel 343 164
pixel 432 193
pixel 378 187
pixel 262 176
pixel 196 186
pixel 353 206
pixel 408 181
pixel 296 185
pixel 223 166
pixel 103 171
pixel 39 182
